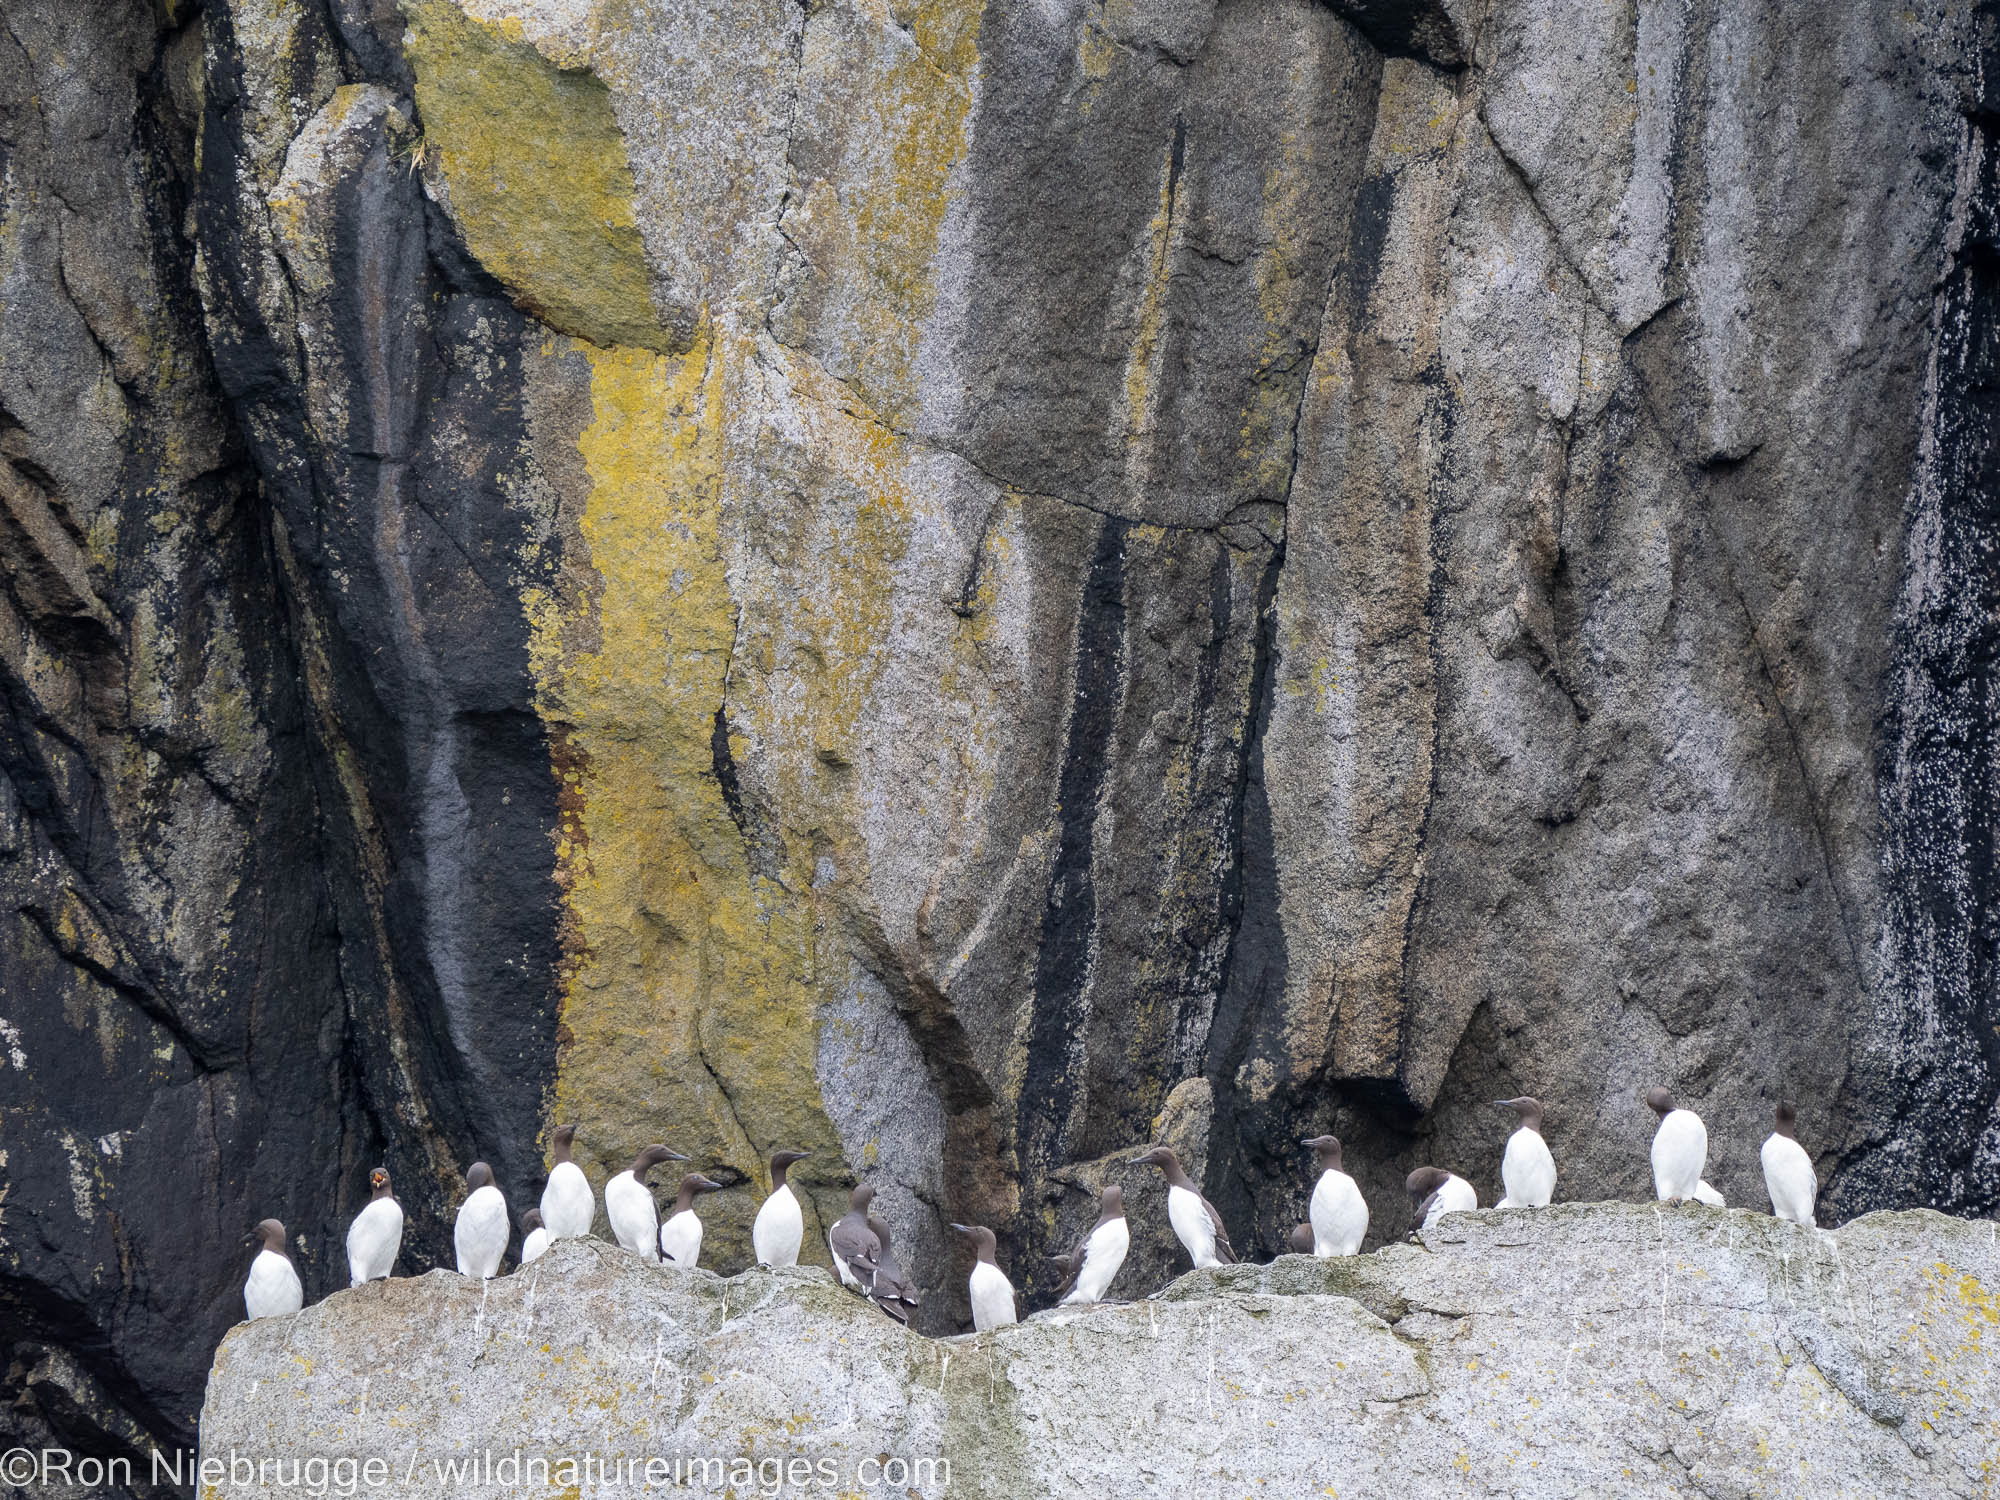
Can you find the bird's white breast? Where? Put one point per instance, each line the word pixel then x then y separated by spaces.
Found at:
pixel 1196 1231
pixel 1680 1151
pixel 1528 1170
pixel 373 1240
pixel 568 1205
pixel 628 1204
pixel 1790 1179
pixel 779 1230
pixel 272 1289
pixel 1454 1197
pixel 1103 1254
pixel 480 1236
pixel 1339 1214
pixel 533 1246
pixel 680 1238
pixel 992 1297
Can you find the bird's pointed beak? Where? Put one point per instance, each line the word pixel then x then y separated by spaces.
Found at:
pixel 962 1228
pixel 1137 1161
pixel 676 1155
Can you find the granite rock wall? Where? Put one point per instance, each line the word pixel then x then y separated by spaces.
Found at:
pixel 961 586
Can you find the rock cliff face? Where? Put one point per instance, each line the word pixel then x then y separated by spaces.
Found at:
pixel 1584 1349
pixel 959 586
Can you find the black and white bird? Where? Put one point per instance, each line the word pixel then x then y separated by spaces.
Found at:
pixel 680 1236
pixel 1788 1171
pixel 1338 1215
pixel 272 1289
pixel 568 1205
pixel 628 1204
pixel 1196 1223
pixel 376 1235
pixel 1680 1149
pixel 1093 1265
pixel 890 1289
pixel 780 1226
pixel 534 1236
pixel 1435 1192
pixel 480 1236
pixel 992 1294
pixel 1527 1169
pixel 853 1243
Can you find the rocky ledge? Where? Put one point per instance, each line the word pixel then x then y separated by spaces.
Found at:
pixel 1582 1349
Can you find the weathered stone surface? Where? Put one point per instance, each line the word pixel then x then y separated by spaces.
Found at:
pixel 964 585
pixel 1587 1348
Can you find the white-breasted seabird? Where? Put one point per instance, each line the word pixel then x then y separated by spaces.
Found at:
pixel 1435 1192
pixel 1527 1169
pixel 780 1226
pixel 853 1243
pixel 680 1236
pixel 1338 1214
pixel 272 1289
pixel 568 1206
pixel 1093 1265
pixel 628 1204
pixel 376 1235
pixel 992 1294
pixel 534 1236
pixel 1196 1223
pixel 1788 1172
pixel 1680 1148
pixel 481 1233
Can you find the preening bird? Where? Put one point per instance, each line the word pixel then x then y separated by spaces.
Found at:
pixel 1788 1171
pixel 680 1236
pixel 1093 1265
pixel 1527 1170
pixel 1680 1148
pixel 1435 1192
pixel 628 1204
pixel 1196 1223
pixel 568 1205
pixel 854 1243
pixel 891 1289
pixel 376 1234
pixel 992 1293
pixel 780 1226
pixel 534 1236
pixel 1339 1214
pixel 272 1289
pixel 480 1236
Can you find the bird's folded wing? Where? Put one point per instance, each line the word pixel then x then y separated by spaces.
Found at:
pixel 1223 1250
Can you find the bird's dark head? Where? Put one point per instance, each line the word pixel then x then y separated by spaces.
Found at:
pixel 1111 1204
pixel 860 1198
pixel 564 1136
pixel 651 1157
pixel 269 1234
pixel 786 1158
pixel 694 1182
pixel 1787 1117
pixel 1421 1183
pixel 1326 1148
pixel 478 1175
pixel 1660 1102
pixel 378 1182
pixel 531 1221
pixel 980 1238
pixel 1156 1156
pixel 1528 1108
pixel 1301 1240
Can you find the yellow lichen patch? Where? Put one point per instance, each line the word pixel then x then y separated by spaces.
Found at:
pixel 691 975
pixel 870 226
pixel 529 159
